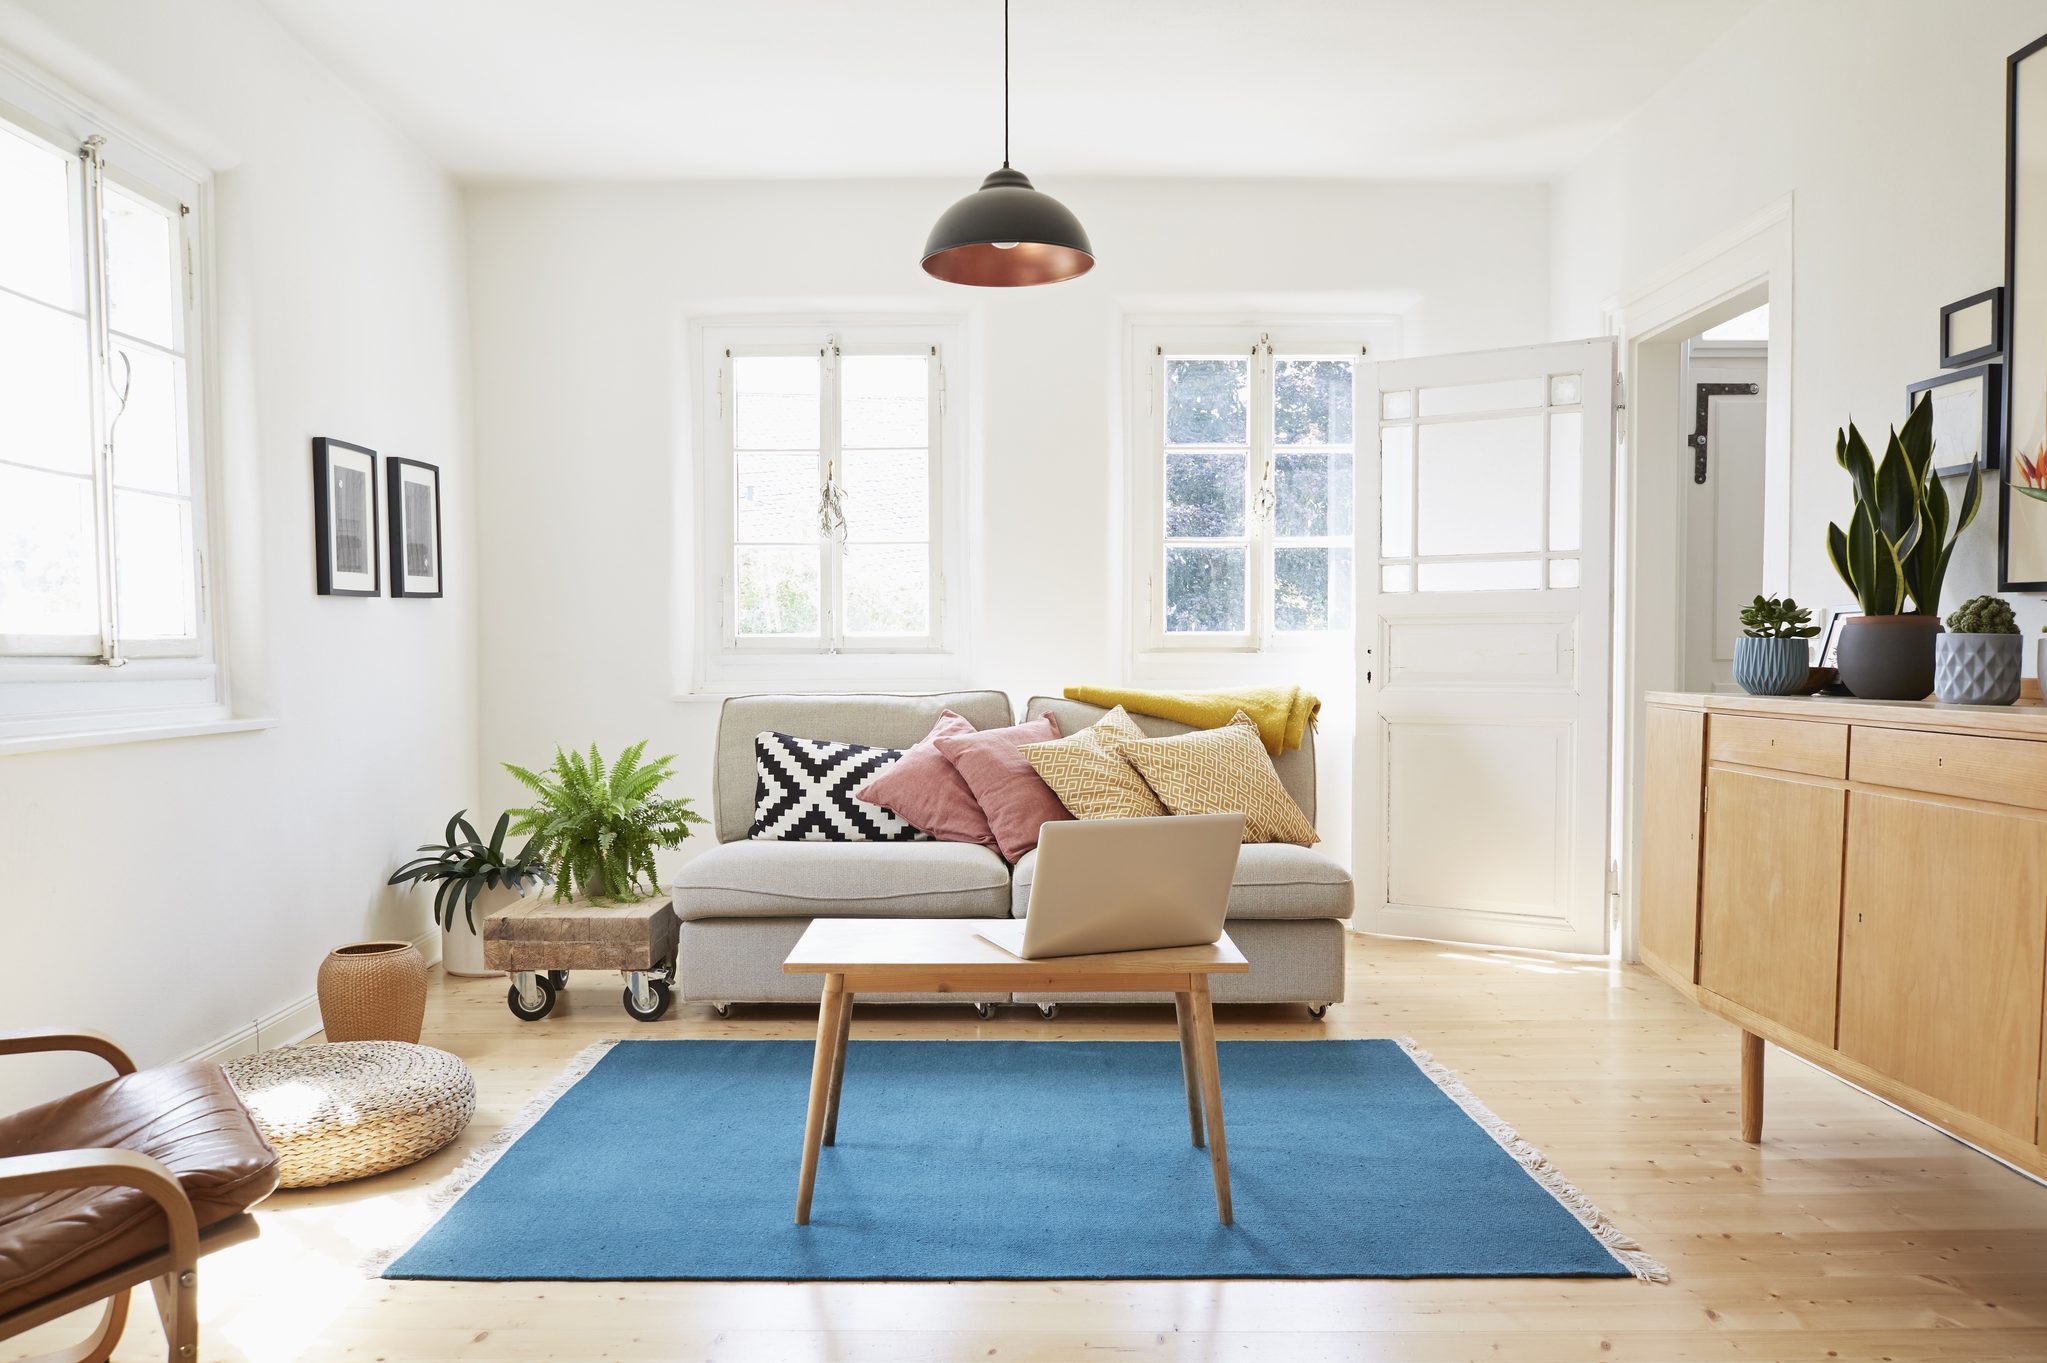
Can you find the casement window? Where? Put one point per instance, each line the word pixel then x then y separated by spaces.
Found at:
pixel 102 475
pixel 830 505
pixel 1246 500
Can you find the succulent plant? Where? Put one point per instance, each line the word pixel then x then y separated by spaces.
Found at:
pixel 1897 542
pixel 1777 618
pixel 1983 615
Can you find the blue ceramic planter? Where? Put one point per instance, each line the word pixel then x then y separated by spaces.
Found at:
pixel 1771 667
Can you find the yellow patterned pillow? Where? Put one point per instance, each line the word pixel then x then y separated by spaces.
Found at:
pixel 1088 774
pixel 1216 771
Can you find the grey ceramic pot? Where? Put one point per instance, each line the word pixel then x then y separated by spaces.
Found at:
pixel 1771 667
pixel 1977 669
pixel 1888 657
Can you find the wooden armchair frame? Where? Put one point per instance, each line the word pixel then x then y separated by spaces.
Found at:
pixel 173 1272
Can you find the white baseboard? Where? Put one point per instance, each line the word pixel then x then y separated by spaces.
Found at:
pixel 292 1023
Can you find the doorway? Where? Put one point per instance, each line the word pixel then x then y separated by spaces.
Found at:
pixel 1724 391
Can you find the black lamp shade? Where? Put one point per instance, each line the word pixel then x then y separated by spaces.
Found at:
pixel 1042 242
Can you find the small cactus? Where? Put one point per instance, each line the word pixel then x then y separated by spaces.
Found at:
pixel 1983 615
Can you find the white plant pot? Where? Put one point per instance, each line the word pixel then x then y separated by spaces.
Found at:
pixel 461 949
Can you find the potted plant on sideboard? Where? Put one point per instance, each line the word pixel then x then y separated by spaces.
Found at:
pixel 1772 657
pixel 1979 659
pixel 1896 547
pixel 473 880
pixel 597 829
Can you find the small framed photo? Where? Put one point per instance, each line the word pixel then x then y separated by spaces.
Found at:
pixel 415 490
pixel 1972 329
pixel 344 518
pixel 1968 416
pixel 1830 643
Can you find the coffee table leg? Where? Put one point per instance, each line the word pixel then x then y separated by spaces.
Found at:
pixel 1211 1094
pixel 831 1106
pixel 820 1084
pixel 1190 1064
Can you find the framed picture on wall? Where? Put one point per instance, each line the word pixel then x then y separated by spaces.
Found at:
pixel 1972 329
pixel 344 518
pixel 415 491
pixel 1968 411
pixel 2022 500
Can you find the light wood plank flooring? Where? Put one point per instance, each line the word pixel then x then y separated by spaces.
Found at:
pixel 1853 1232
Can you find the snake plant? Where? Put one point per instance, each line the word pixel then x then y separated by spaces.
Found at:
pixel 1897 543
pixel 464 866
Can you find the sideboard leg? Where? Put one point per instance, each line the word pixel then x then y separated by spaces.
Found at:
pixel 1751 1087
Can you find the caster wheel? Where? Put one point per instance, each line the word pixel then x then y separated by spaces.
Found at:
pixel 984 1011
pixel 1048 1011
pixel 1318 1011
pixel 723 1010
pixel 560 979
pixel 662 995
pixel 540 1010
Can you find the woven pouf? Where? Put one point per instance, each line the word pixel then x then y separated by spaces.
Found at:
pixel 349 1109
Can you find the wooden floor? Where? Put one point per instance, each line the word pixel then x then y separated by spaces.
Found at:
pixel 1852 1232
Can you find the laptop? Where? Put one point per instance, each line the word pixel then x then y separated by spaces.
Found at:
pixel 1126 885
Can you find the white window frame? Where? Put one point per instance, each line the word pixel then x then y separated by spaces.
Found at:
pixel 1150 343
pixel 726 662
pixel 56 693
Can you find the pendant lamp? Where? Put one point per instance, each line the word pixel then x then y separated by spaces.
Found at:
pixel 1006 233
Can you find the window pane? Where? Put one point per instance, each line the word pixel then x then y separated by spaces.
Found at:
pixel 1396 491
pixel 888 589
pixel 775 403
pixel 149 444
pixel 1311 589
pixel 49 583
pixel 142 272
pixel 1563 572
pixel 35 231
pixel 888 495
pixel 1481 576
pixel 775 498
pixel 152 566
pixel 1397 405
pixel 1208 402
pixel 1566 478
pixel 1481 486
pixel 884 401
pixel 1204 495
pixel 1205 590
pixel 1396 577
pixel 1483 397
pixel 1564 389
pixel 1311 402
pixel 1312 494
pixel 777 592
pixel 45 412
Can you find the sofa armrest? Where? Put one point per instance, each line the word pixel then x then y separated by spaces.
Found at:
pixel 92 1043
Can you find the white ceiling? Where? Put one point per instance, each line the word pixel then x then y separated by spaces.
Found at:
pixel 644 89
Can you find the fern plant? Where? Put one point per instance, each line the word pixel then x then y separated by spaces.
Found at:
pixel 598 828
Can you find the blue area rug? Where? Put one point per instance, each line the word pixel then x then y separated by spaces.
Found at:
pixel 1012 1159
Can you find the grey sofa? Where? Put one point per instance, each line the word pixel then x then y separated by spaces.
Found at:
pixel 743 904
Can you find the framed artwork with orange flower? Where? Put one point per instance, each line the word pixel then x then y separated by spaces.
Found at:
pixel 2022 509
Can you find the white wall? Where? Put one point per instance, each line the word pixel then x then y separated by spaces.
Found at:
pixel 171 893
pixel 1883 120
pixel 580 299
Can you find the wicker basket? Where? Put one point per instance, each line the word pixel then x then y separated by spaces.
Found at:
pixel 373 991
pixel 355 1108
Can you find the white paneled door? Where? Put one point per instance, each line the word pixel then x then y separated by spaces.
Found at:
pixel 1485 646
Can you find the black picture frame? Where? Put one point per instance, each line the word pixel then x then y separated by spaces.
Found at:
pixel 406 548
pixel 344 519
pixel 2022 554
pixel 1990 413
pixel 1830 643
pixel 1991 298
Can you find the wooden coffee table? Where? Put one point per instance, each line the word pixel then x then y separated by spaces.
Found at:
pixel 943 955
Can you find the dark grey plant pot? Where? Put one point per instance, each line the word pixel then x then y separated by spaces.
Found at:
pixel 1771 667
pixel 1888 657
pixel 1977 669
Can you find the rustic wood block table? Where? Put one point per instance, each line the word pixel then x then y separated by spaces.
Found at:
pixel 538 942
pixel 946 955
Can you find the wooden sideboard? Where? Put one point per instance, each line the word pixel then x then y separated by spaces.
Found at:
pixel 1864 884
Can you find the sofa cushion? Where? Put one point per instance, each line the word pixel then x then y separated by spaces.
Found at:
pixel 1013 796
pixel 1090 777
pixel 1274 880
pixel 927 790
pixel 1216 771
pixel 804 792
pixel 1296 766
pixel 842 880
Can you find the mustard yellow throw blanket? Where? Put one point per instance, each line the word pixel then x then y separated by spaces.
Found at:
pixel 1283 712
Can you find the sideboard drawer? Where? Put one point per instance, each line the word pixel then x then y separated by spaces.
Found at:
pixel 2005 771
pixel 1801 745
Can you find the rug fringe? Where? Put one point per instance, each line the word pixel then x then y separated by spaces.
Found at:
pixel 1616 1241
pixel 477 1162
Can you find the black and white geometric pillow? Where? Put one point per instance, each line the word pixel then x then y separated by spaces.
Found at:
pixel 803 792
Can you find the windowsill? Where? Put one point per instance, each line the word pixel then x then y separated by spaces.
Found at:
pixel 141 733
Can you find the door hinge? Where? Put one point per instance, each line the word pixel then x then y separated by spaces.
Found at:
pixel 1697 440
pixel 1705 794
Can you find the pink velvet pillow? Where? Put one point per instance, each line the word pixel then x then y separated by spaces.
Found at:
pixel 925 790
pixel 1011 793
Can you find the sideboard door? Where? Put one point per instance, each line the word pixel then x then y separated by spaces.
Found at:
pixel 1674 770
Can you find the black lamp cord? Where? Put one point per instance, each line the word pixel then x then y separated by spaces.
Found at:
pixel 1005 84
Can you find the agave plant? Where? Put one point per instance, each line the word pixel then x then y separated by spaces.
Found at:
pixel 597 829
pixel 463 866
pixel 1897 543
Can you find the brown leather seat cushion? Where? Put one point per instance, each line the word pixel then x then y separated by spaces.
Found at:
pixel 188 1116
